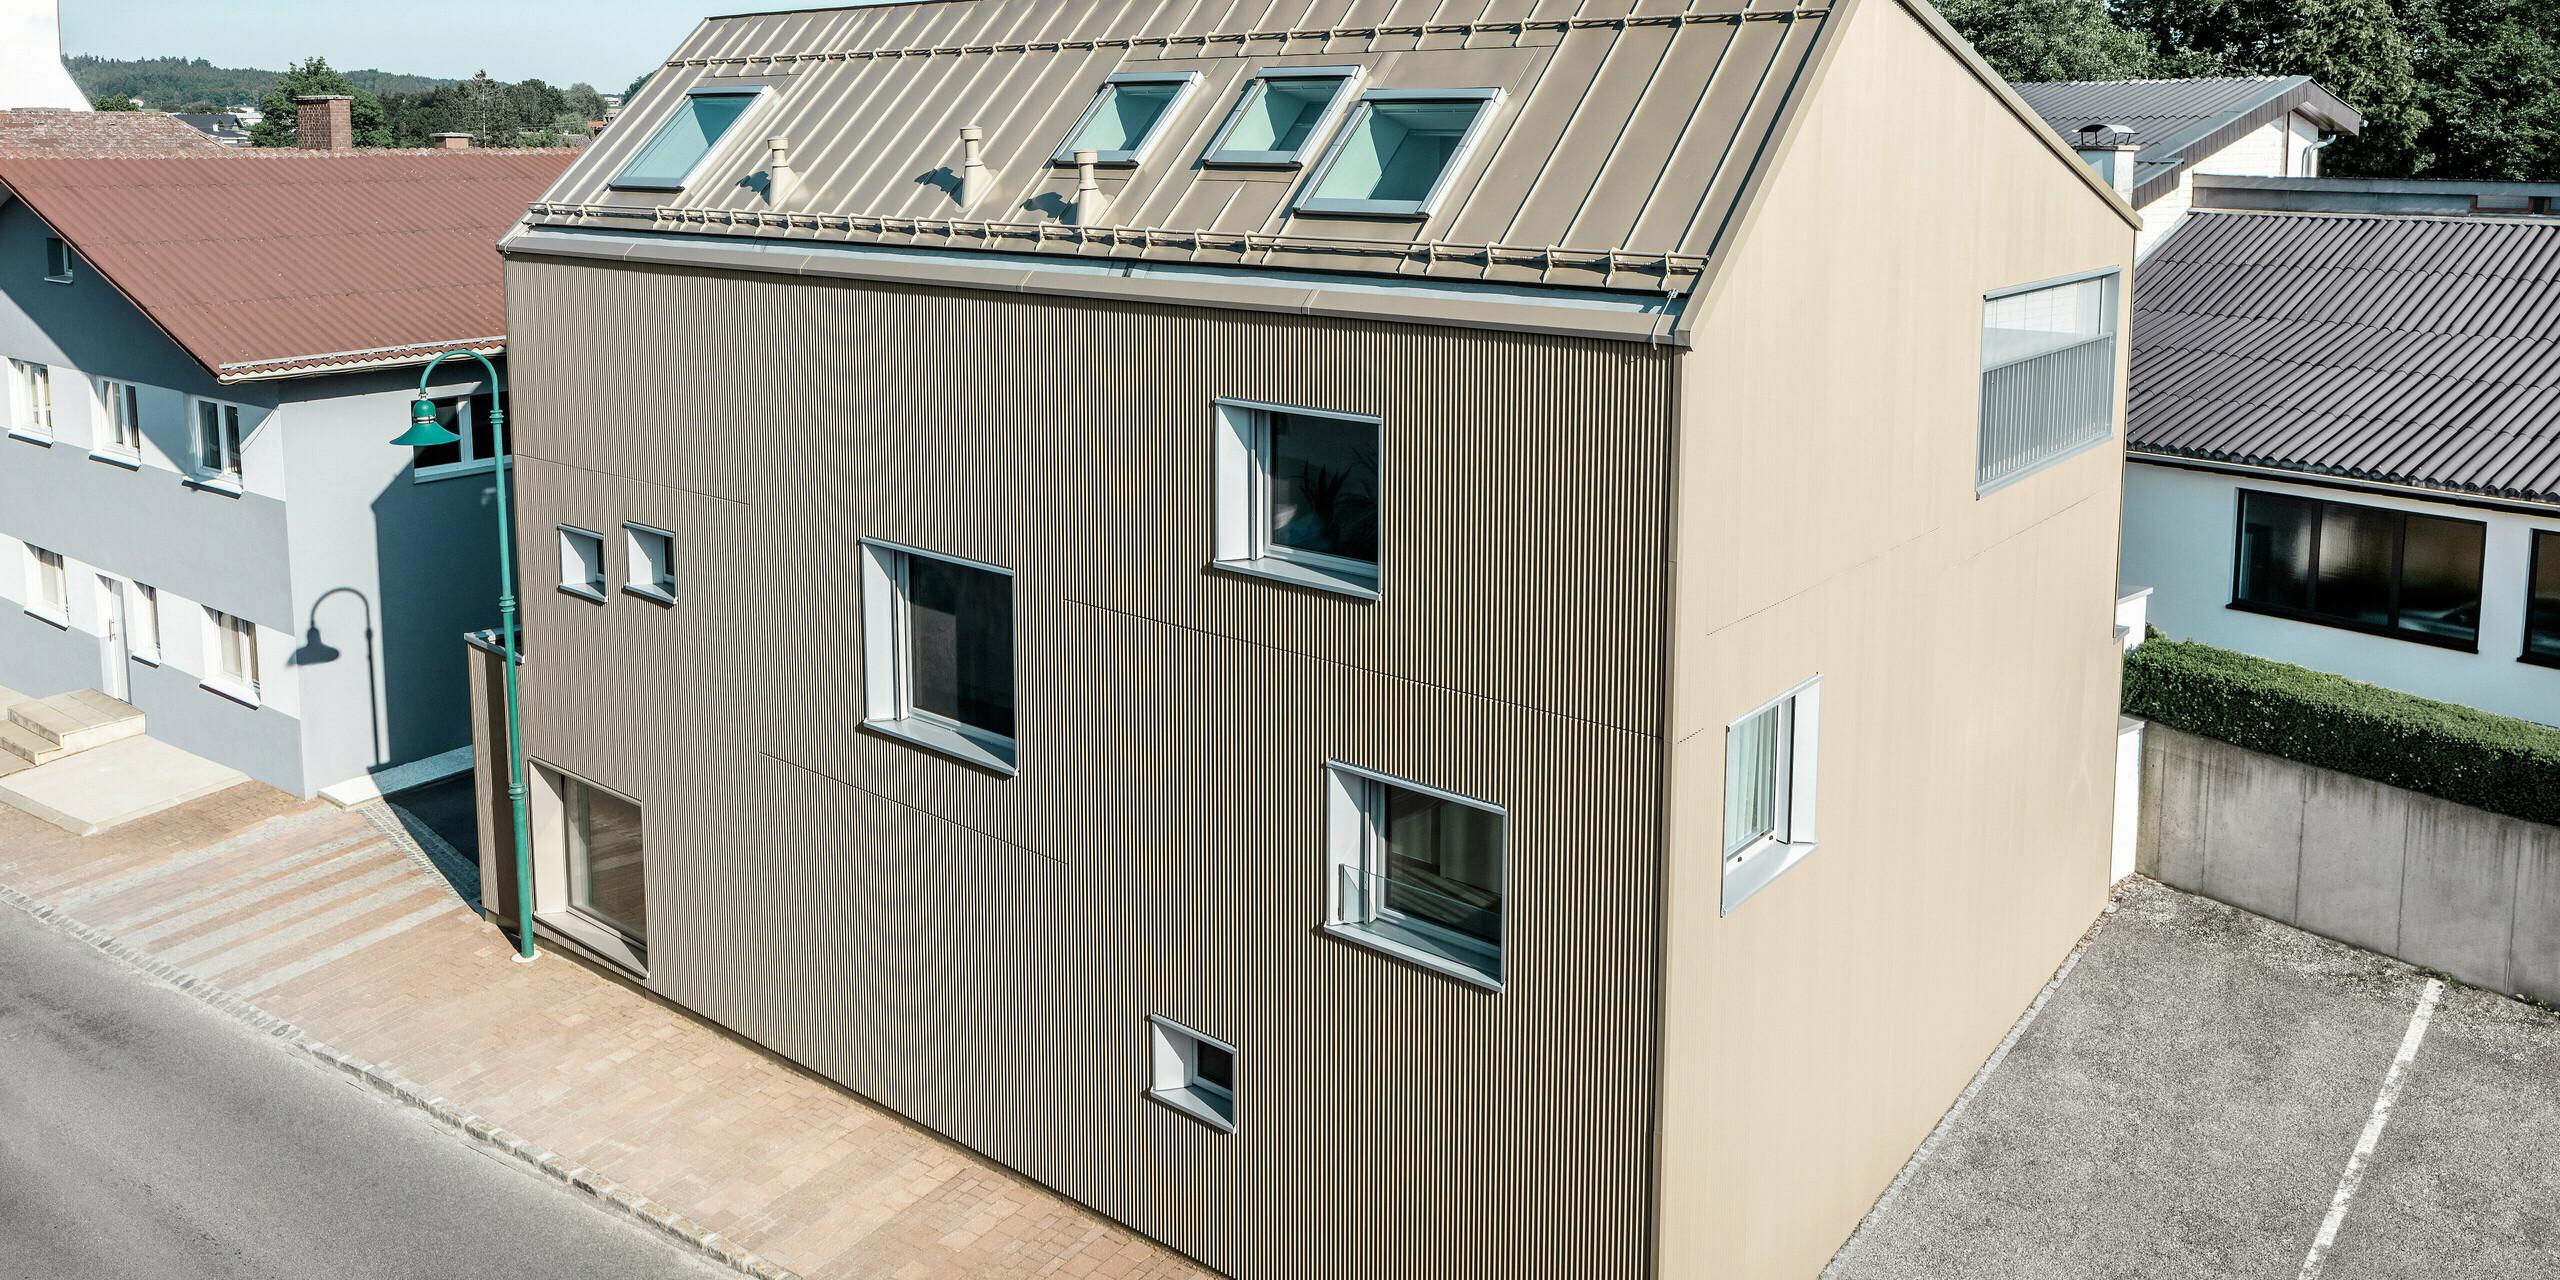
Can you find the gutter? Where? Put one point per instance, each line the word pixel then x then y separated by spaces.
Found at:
pixel 2352 484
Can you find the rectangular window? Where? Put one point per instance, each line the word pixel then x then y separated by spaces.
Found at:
pixel 1194 1074
pixel 468 418
pixel 650 555
pixel 120 416
pixel 2542 602
pixel 680 146
pixel 1400 152
pixel 2372 569
pixel 1285 114
pixel 938 653
pixel 1770 767
pixel 2048 377
pixel 1298 495
pixel 235 648
pixel 602 836
pixel 31 400
pixel 1125 118
pixel 145 625
pixel 57 260
pixel 1415 872
pixel 48 590
pixel 582 563
pixel 218 441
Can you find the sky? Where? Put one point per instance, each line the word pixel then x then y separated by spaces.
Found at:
pixel 602 42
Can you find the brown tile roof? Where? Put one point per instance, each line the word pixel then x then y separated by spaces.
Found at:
pixel 98 133
pixel 267 264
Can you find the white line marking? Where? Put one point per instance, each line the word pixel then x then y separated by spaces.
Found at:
pixel 270 980
pixel 2354 1176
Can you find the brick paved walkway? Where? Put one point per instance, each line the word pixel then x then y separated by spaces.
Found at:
pixel 315 916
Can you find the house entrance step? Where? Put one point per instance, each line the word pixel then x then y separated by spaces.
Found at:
pixel 77 721
pixel 25 748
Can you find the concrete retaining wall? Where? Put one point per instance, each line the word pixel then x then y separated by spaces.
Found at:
pixel 2447 886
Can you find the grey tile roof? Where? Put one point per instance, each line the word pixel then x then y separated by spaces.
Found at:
pixel 2181 123
pixel 2419 351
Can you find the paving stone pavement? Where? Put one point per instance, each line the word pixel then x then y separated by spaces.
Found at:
pixel 319 917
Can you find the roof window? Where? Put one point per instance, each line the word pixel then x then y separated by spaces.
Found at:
pixel 1396 158
pixel 1285 114
pixel 1127 115
pixel 679 146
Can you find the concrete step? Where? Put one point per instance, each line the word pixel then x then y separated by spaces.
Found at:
pixel 78 720
pixel 27 748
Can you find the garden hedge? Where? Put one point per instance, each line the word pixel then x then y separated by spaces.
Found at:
pixel 2458 753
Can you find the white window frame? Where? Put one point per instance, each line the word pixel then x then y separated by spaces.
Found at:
pixel 1174 1077
pixel 646 576
pixel 1190 84
pixel 224 469
pixel 1748 870
pixel 119 436
pixel 216 678
pixel 56 246
pixel 759 93
pixel 1489 104
pixel 142 624
pixel 48 585
pixel 1244 504
pixel 1355 851
pixel 1344 94
pixel 469 465
pixel 888 663
pixel 578 576
pixel 1985 485
pixel 31 401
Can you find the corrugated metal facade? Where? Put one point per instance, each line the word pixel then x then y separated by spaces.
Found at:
pixel 981 953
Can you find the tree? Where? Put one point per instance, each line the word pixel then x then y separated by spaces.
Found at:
pixel 584 102
pixel 304 79
pixel 114 102
pixel 493 120
pixel 2030 40
pixel 2488 79
pixel 2355 49
pixel 537 105
pixel 637 82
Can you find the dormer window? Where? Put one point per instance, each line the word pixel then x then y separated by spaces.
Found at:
pixel 681 144
pixel 1125 118
pixel 1285 115
pixel 1399 153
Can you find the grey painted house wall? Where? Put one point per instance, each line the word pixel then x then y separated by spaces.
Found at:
pixel 330 527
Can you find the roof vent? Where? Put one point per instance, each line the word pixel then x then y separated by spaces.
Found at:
pixel 1091 205
pixel 780 180
pixel 2109 149
pixel 973 167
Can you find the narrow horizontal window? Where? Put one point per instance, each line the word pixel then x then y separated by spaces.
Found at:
pixel 2375 569
pixel 938 653
pixel 1127 116
pixel 1771 763
pixel 667 161
pixel 1298 495
pixel 1286 113
pixel 582 563
pixel 1194 1074
pixel 2048 377
pixel 650 561
pixel 1416 872
pixel 1399 153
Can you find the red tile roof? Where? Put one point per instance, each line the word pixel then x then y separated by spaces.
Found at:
pixel 273 263
pixel 98 133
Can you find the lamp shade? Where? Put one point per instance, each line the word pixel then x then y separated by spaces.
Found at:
pixel 423 429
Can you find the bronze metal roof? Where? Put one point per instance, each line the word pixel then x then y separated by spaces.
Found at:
pixel 77 133
pixel 278 263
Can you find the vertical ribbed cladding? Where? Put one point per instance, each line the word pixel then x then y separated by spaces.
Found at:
pixel 982 953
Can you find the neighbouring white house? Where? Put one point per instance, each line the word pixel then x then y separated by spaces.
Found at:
pixel 31 70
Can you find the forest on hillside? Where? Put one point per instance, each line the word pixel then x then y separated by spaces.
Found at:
pixel 184 84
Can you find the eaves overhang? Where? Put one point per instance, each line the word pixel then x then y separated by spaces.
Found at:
pixel 2533 504
pixel 2206 139
pixel 413 353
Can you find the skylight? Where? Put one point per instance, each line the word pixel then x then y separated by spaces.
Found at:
pixel 680 144
pixel 1285 114
pixel 1398 154
pixel 1125 118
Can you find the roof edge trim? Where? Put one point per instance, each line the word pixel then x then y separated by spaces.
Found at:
pixel 317 366
pixel 2154 456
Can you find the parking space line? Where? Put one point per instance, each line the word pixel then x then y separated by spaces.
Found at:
pixel 2354 1176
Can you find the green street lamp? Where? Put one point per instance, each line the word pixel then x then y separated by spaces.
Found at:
pixel 424 430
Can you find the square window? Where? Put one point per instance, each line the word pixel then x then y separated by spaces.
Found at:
pixel 652 562
pixel 1415 872
pixel 31 400
pixel 467 417
pixel 57 260
pixel 1125 118
pixel 582 563
pixel 601 833
pixel 1193 1074
pixel 1285 115
pixel 2048 377
pixel 1397 156
pixel 1769 774
pixel 48 589
pixel 120 405
pixel 218 442
pixel 235 651
pixel 938 653
pixel 1298 495
pixel 680 146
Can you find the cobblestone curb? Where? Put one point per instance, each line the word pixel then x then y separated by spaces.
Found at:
pixel 609 1195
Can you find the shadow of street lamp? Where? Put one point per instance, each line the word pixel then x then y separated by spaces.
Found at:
pixel 316 651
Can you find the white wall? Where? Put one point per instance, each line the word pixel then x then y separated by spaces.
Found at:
pixel 31 71
pixel 2179 530
pixel 2269 151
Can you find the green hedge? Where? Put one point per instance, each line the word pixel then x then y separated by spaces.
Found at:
pixel 2461 754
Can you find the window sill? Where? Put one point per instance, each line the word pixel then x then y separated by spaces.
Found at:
pixel 1379 941
pixel 146 659
pixel 1757 867
pixel 595 940
pixel 1274 569
pixel 649 593
pixel 452 471
pixel 245 697
pixel 227 487
pixel 61 620
pixel 115 457
pixel 2538 660
pixel 589 594
pixel 949 742
pixel 1190 1103
pixel 2360 628
pixel 30 437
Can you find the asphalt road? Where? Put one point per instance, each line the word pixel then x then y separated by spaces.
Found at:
pixel 144 1135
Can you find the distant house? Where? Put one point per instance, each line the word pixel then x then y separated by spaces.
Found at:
pixel 2343 441
pixel 222 127
pixel 200 511
pixel 2273 126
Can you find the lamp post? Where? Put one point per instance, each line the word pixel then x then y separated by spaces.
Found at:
pixel 425 430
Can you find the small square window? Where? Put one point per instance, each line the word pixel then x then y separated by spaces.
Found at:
pixel 48 589
pixel 938 653
pixel 1298 495
pixel 1415 872
pixel 31 400
pixel 120 418
pixel 57 260
pixel 467 417
pixel 1286 113
pixel 1193 1074
pixel 1126 117
pixel 1399 153
pixel 652 563
pixel 686 139
pixel 218 442
pixel 1770 759
pixel 582 563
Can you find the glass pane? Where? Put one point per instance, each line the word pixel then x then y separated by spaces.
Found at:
pixel 2542 610
pixel 2355 563
pixel 1127 113
pixel 449 417
pixel 1324 486
pixel 604 858
pixel 484 433
pixel 2275 549
pixel 1280 114
pixel 963 643
pixel 1444 863
pixel 682 142
pixel 1396 151
pixel 235 658
pixel 1751 780
pixel 2440 576
pixel 209 424
pixel 1217 1067
pixel 2022 325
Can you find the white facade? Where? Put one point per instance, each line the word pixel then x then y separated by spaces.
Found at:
pixel 31 71
pixel 2284 148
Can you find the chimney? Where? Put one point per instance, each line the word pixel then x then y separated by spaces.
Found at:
pixel 973 167
pixel 320 123
pixel 1091 204
pixel 452 141
pixel 2109 149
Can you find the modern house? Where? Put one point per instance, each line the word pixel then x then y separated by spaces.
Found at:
pixel 2174 130
pixel 1408 639
pixel 2343 443
pixel 199 509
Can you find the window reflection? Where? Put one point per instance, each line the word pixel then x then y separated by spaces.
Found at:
pixel 2370 568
